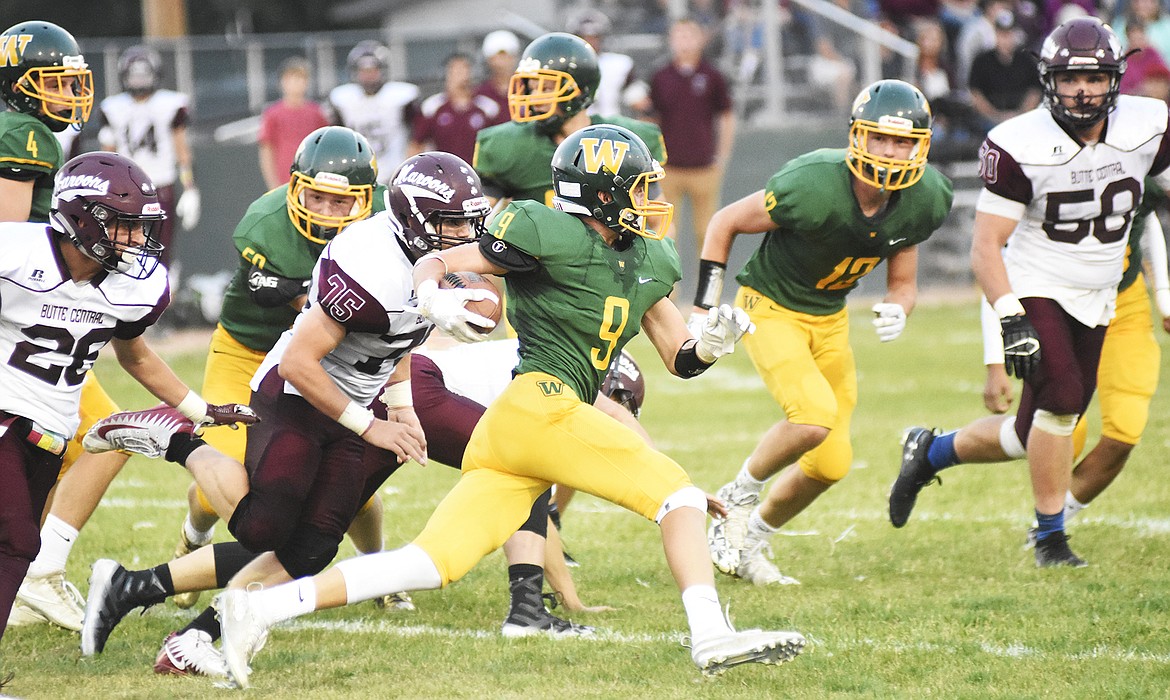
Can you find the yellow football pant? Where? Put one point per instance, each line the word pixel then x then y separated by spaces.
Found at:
pixel 95 405
pixel 807 364
pixel 537 433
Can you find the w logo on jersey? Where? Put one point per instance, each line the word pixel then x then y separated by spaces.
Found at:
pixel 551 388
pixel 607 153
pixel 12 48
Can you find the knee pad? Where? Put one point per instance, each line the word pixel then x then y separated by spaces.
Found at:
pixel 1009 442
pixel 258 528
pixel 686 497
pixel 307 552
pixel 1054 424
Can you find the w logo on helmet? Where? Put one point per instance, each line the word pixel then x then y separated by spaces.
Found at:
pixel 12 48
pixel 597 153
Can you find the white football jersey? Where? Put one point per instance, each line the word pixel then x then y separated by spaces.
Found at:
pixel 1074 202
pixel 142 130
pixel 52 328
pixel 382 118
pixel 478 371
pixel 363 281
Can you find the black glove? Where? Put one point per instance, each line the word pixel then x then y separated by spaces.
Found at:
pixel 230 414
pixel 1021 346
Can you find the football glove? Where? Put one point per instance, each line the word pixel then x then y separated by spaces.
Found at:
pixel 1021 346
pixel 233 414
pixel 719 330
pixel 445 308
pixel 188 208
pixel 889 320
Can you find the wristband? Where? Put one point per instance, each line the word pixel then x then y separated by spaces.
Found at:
pixel 1008 305
pixel 688 363
pixel 398 395
pixel 356 418
pixel 193 406
pixel 710 287
pixel 433 256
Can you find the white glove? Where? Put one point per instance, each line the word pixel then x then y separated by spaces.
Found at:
pixel 719 330
pixel 188 208
pixel 889 321
pixel 445 308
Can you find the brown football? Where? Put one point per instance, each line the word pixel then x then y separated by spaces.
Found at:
pixel 472 280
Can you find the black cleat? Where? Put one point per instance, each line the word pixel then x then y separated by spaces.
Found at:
pixel 914 474
pixel 113 593
pixel 1053 550
pixel 528 616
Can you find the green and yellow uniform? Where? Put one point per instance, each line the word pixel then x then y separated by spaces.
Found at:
pixel 513 159
pixel 573 314
pixel 794 288
pixel 30 151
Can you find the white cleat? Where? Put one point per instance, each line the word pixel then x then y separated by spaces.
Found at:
pixel 726 536
pixel 715 655
pixel 756 567
pixel 190 654
pixel 53 598
pixel 396 602
pixel 243 633
pixel 146 432
pixel 22 616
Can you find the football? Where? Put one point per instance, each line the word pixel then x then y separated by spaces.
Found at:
pixel 471 280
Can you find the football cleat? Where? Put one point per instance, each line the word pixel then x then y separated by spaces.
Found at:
pixel 1030 536
pixel 21 616
pixel 146 432
pixel 1053 550
pixel 726 536
pixel 113 593
pixel 396 602
pixel 716 654
pixel 529 616
pixel 185 547
pixel 190 653
pixel 756 567
pixel 243 633
pixel 53 598
pixel 915 473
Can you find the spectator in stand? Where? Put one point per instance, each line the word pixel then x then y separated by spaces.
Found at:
pixel 620 90
pixel 958 128
pixel 1153 14
pixel 903 12
pixel 449 120
pixel 501 53
pixel 284 124
pixel 977 36
pixel 1146 72
pixel 1004 81
pixel 694 110
pixel 934 67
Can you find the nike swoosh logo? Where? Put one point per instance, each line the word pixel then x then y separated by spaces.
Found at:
pixel 644 280
pixel 896 241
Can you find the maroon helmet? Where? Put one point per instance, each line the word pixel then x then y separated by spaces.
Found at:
pixel 1081 44
pixel 624 384
pixel 98 199
pixel 140 70
pixel 430 189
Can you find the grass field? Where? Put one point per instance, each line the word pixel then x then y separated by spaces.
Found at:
pixel 950 607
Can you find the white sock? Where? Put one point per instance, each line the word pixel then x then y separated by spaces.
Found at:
pixel 196 537
pixel 1072 506
pixel 758 528
pixel 704 615
pixel 286 601
pixel 744 481
pixel 407 568
pixel 57 539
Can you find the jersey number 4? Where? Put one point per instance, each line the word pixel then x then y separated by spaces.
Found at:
pixel 83 351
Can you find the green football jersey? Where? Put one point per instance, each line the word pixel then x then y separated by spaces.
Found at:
pixel 822 244
pixel 27 145
pixel 513 159
pixel 585 301
pixel 267 238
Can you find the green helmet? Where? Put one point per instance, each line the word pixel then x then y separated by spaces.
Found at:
pixel 892 108
pixel 611 160
pixel 42 73
pixel 556 69
pixel 337 161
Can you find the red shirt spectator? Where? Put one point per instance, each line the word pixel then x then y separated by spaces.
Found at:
pixel 284 124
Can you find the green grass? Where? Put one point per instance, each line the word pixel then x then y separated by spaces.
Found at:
pixel 949 607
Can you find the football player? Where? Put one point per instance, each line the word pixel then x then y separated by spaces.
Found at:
pixel 89 277
pixel 149 124
pixel 376 107
pixel 830 218
pixel 606 230
pixel 1061 186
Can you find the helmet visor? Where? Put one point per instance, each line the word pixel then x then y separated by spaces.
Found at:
pixel 65 92
pixel 321 228
pixel 534 94
pixel 887 173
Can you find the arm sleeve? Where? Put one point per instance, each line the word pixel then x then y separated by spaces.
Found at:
pixel 992 334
